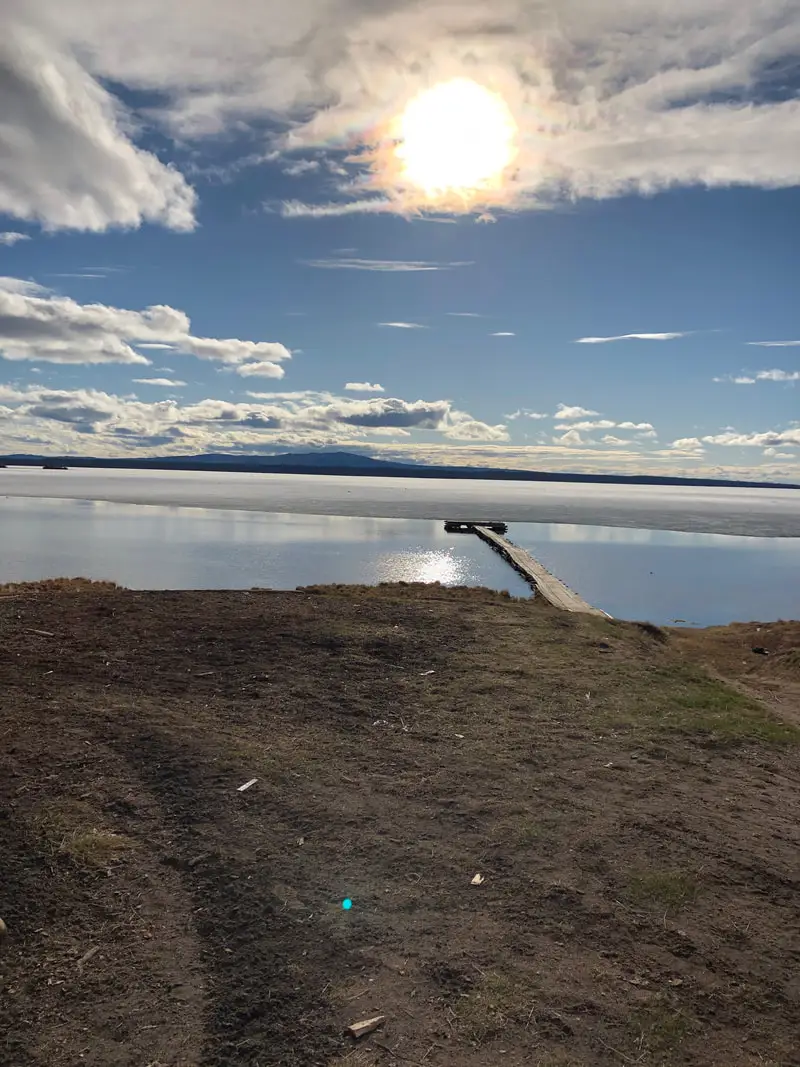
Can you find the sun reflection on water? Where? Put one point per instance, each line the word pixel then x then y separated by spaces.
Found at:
pixel 426 566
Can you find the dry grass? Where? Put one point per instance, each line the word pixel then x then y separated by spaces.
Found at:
pixel 668 889
pixel 59 585
pixel 69 828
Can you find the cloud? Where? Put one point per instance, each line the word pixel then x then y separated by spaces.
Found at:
pixel 296 209
pixel 10 238
pixel 364 387
pixel 300 167
pixel 464 315
pixel 565 411
pixel 599 424
pixel 67 159
pixel 263 369
pixel 645 426
pixel 773 453
pixel 302 417
pixel 764 439
pixel 35 325
pixel 381 265
pixel 778 376
pixel 571 437
pixel 167 383
pixel 523 413
pixel 690 446
pixel 504 333
pixel 611 98
pixel 616 442
pixel 404 325
pixel 630 337
pixel 763 376
pixel 775 344
pixel 22 286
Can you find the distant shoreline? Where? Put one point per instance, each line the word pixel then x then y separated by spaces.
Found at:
pixel 344 464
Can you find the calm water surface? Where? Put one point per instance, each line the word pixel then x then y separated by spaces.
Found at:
pixel 756 512
pixel 662 576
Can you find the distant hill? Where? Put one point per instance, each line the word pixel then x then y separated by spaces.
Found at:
pixel 354 465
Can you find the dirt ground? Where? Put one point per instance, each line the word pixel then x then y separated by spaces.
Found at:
pixel 630 797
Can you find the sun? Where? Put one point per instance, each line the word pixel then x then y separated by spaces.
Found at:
pixel 456 139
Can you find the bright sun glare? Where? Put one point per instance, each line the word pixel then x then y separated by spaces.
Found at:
pixel 456 138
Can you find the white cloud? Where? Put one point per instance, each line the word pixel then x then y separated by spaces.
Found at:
pixel 599 424
pixel 67 159
pixel 304 417
pixel 646 426
pixel 630 337
pixel 609 439
pixel 263 369
pixel 57 329
pixel 166 383
pixel 763 376
pixel 22 286
pixel 404 325
pixel 364 387
pixel 775 344
pixel 778 376
pixel 566 411
pixel 571 437
pixel 381 265
pixel 10 238
pixel 690 446
pixel 765 439
pixel 773 453
pixel 296 209
pixel 523 413
pixel 464 315
pixel 504 333
pixel 300 167
pixel 621 98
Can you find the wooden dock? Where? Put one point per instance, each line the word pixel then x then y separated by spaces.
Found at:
pixel 544 583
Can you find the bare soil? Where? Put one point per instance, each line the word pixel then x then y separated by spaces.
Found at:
pixel 630 797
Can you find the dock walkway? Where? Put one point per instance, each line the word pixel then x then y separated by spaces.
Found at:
pixel 545 583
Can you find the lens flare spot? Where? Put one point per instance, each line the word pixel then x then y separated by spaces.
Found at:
pixel 457 138
pixel 347 903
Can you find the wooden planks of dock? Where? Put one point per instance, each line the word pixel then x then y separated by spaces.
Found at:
pixel 545 583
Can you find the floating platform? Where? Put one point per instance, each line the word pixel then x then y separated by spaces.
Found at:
pixel 471 527
pixel 544 583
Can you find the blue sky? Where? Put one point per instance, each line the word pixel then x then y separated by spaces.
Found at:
pixel 207 242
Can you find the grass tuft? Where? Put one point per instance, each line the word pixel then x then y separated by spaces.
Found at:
pixel 668 889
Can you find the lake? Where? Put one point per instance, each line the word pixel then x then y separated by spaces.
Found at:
pixel 659 575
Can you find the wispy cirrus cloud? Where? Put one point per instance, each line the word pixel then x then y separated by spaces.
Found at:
pixel 364 387
pixel 504 333
pixel 775 344
pixel 774 375
pixel 631 337
pixel 401 266
pixel 297 209
pixel 404 325
pixel 165 383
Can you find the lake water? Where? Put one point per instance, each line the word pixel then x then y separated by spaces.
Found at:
pixel 661 576
pixel 748 512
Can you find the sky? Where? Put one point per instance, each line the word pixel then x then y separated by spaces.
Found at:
pixel 541 234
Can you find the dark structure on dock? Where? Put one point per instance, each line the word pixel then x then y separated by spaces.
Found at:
pixel 452 526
